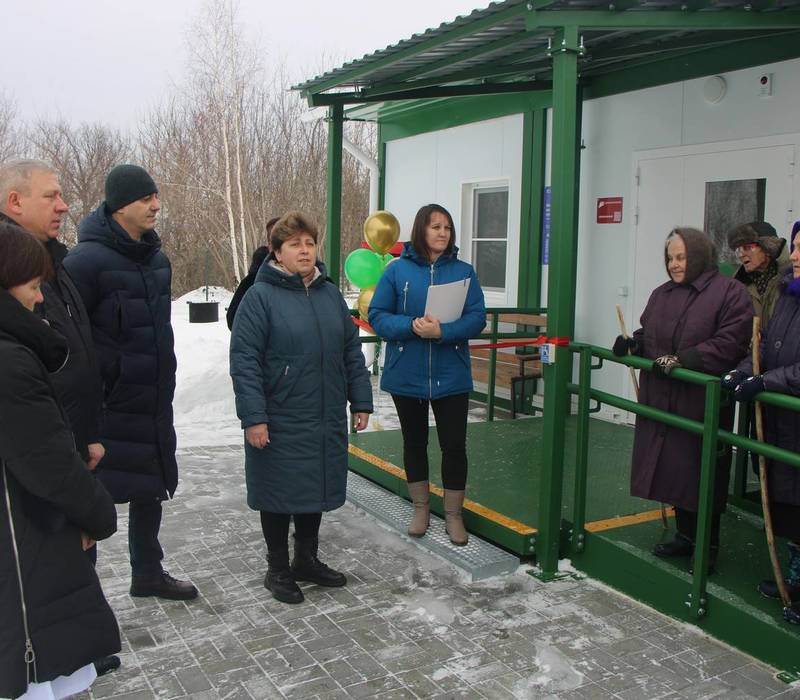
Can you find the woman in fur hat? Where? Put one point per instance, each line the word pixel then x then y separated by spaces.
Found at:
pixel 699 320
pixel 780 371
pixel 762 254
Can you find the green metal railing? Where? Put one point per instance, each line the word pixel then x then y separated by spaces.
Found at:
pixel 709 429
pixel 493 335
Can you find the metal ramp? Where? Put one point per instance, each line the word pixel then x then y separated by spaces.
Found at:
pixel 479 558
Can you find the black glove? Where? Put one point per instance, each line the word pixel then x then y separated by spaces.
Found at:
pixel 665 364
pixel 749 388
pixel 733 379
pixel 623 346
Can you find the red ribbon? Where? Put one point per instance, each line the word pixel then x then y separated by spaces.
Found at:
pixel 541 340
pixel 363 324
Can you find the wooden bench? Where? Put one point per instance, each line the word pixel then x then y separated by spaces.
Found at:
pixel 512 371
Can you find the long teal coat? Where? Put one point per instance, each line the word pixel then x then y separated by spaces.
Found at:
pixel 296 361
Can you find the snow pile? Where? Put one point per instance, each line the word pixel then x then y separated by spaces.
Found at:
pixel 204 406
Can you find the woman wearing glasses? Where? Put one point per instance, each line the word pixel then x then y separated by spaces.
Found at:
pixel 761 254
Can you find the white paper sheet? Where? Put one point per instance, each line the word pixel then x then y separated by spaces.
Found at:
pixel 445 302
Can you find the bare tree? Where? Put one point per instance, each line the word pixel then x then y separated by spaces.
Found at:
pixel 82 156
pixel 9 139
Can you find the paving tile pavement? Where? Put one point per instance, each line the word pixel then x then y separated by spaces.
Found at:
pixel 407 625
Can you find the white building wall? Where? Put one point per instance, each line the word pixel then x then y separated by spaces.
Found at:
pixel 616 128
pixel 434 167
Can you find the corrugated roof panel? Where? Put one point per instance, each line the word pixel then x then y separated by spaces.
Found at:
pixel 454 54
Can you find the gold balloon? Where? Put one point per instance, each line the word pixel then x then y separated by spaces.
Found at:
pixel 381 231
pixel 363 302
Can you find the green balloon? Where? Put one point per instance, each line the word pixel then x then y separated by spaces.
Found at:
pixel 387 258
pixel 363 268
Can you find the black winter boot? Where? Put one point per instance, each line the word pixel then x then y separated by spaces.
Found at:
pixel 769 589
pixel 279 579
pixel 307 567
pixel 680 546
pixel 792 614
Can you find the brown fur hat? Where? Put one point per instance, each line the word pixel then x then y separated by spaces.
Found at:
pixel 756 232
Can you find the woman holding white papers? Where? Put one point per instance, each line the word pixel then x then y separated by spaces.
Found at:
pixel 427 358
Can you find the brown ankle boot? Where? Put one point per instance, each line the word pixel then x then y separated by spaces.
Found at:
pixel 420 496
pixel 453 522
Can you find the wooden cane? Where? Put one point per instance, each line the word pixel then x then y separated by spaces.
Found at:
pixel 635 382
pixel 762 475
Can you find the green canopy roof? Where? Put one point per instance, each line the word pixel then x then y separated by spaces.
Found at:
pixel 508 47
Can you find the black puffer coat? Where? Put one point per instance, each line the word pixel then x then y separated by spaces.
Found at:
pixel 259 256
pixel 125 285
pixel 78 383
pixel 780 368
pixel 53 498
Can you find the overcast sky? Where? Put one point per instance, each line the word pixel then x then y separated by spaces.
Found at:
pixel 110 60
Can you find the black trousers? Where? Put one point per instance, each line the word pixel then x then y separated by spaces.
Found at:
pixel 144 522
pixel 275 527
pixel 450 413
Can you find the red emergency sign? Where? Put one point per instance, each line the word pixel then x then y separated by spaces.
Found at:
pixel 609 210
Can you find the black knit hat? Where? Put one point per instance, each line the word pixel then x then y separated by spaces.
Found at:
pixel 126 184
pixel 756 232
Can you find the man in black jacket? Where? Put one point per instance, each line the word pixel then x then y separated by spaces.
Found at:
pixel 31 198
pixel 125 282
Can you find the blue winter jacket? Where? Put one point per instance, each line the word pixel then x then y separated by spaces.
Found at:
pixel 295 362
pixel 416 367
pixel 125 285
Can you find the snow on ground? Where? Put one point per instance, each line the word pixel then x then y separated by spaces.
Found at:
pixel 205 412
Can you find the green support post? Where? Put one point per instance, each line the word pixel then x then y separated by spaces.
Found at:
pixel 333 224
pixel 534 144
pixel 742 457
pixel 582 448
pixel 697 602
pixel 560 292
pixel 491 388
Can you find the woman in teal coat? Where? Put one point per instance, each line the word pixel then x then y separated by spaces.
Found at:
pixel 296 362
pixel 427 362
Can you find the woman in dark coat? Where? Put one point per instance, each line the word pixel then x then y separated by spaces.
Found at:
pixel 699 320
pixel 780 372
pixel 296 362
pixel 259 256
pixel 54 618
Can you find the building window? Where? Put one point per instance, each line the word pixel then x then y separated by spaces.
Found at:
pixel 489 236
pixel 728 204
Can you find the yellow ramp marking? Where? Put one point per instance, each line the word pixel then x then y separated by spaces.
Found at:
pixel 625 520
pixel 477 508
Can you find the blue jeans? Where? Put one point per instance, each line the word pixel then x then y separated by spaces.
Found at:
pixel 144 522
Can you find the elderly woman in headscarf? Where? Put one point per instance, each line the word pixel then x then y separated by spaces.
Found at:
pixel 780 371
pixel 699 320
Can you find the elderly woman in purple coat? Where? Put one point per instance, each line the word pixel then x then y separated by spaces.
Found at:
pixel 699 320
pixel 780 371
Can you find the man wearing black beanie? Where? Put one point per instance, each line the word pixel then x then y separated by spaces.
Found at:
pixel 125 281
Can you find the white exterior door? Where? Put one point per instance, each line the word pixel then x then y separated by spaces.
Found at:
pixel 673 191
pixel 676 187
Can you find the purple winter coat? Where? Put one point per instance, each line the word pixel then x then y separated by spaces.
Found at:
pixel 708 325
pixel 780 368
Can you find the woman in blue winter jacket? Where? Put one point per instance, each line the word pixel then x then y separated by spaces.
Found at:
pixel 428 363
